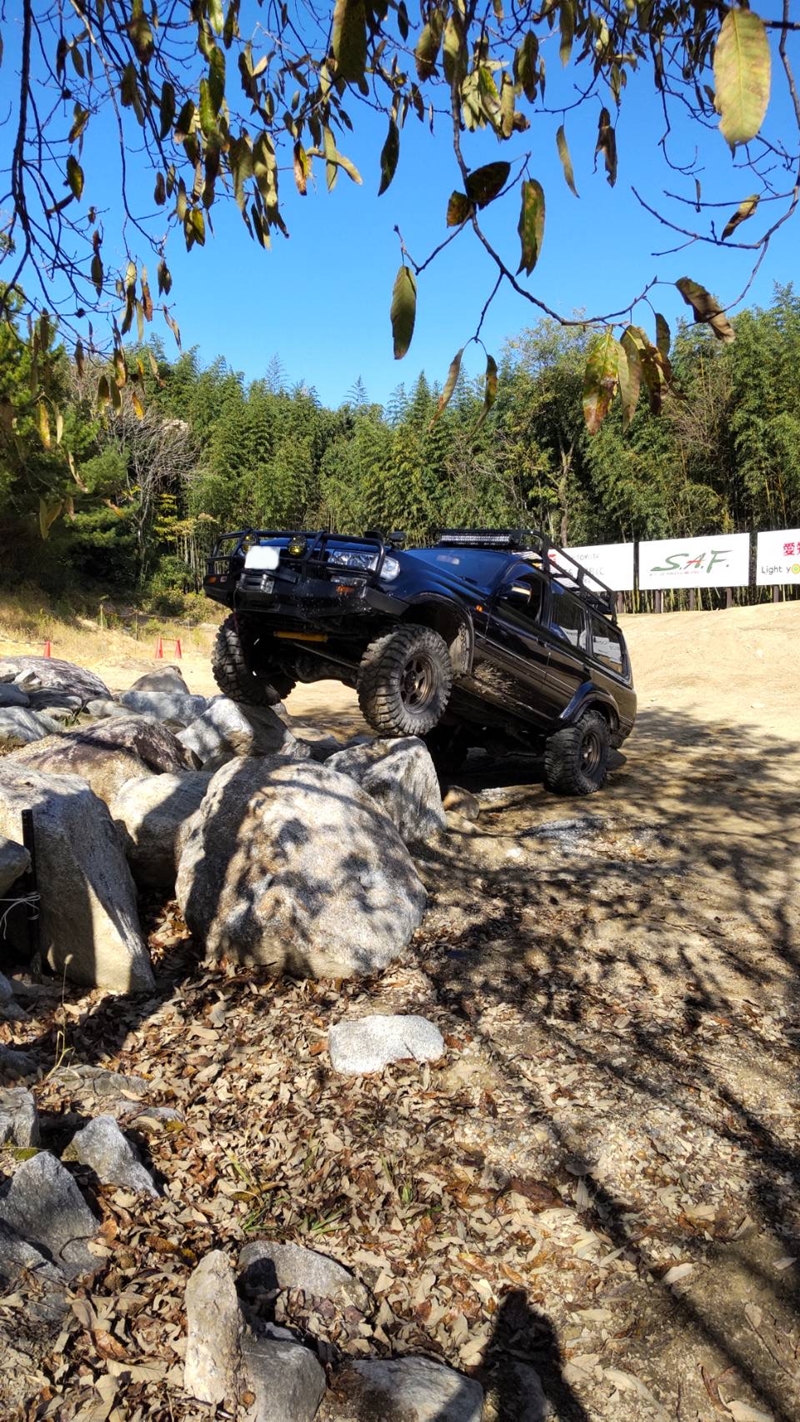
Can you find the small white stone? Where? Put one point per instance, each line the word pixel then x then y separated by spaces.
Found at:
pixel 369 1044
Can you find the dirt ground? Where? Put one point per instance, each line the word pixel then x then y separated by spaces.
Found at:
pixel 602 1179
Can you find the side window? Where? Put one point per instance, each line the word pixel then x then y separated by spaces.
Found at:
pixel 606 644
pixel 523 595
pixel 567 618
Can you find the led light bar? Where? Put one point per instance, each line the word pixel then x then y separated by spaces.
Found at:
pixel 530 541
pixel 481 538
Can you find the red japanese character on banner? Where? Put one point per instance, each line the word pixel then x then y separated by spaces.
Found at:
pixel 788 550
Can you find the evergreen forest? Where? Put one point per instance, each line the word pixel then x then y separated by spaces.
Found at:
pixel 123 496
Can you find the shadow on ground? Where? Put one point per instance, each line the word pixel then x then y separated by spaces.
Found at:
pixel 628 967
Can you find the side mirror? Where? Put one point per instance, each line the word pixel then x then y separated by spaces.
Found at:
pixel 517 595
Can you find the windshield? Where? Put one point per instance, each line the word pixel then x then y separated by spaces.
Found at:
pixel 476 565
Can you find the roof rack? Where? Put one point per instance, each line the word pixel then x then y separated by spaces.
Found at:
pixel 557 562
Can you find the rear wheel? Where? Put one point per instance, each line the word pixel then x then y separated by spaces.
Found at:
pixel 405 680
pixel 229 663
pixel 576 759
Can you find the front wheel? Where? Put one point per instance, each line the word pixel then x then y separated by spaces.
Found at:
pixel 576 758
pixel 404 681
pixel 230 656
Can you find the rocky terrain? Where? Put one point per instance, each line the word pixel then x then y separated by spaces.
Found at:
pixel 326 1097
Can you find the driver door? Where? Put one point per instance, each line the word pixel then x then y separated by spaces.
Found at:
pixel 517 653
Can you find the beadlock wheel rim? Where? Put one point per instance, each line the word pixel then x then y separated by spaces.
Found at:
pixel 591 754
pixel 416 683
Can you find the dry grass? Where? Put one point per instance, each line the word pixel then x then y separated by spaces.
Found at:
pixel 28 619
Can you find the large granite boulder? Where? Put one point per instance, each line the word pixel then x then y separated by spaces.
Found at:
pixel 105 771
pixel 167 678
pixel 19 726
pixel 11 695
pixel 150 816
pixel 289 865
pixel 89 924
pixel 400 777
pixel 173 708
pixel 58 675
pixel 108 754
pixel 226 729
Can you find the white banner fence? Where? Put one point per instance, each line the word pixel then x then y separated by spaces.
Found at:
pixel 717 563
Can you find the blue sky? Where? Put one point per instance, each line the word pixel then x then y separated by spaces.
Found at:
pixel 320 301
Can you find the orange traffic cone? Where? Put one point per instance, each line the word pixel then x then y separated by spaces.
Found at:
pixel 159 653
pixel 48 651
pixel 178 652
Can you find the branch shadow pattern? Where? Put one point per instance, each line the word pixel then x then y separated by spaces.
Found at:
pixel 627 915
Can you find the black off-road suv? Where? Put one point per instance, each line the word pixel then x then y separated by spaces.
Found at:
pixel 491 638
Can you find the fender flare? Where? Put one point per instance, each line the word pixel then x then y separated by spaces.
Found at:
pixel 586 697
pixel 461 627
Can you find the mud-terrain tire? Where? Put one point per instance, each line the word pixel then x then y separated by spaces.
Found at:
pixel 404 681
pixel 576 759
pixel 233 676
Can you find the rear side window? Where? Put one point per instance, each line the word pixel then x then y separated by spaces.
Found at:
pixel 567 618
pixel 606 644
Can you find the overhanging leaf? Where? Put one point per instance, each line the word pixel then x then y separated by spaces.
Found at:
pixel 662 334
pixel 404 310
pixel 389 156
pixel 600 380
pixel 454 51
pixel 566 16
pixel 427 49
pixel 607 145
pixel 743 211
pixel 302 167
pixel 458 209
pixel 742 66
pixel 531 224
pixel 490 390
pixel 657 375
pixel 526 66
pixel 630 371
pixel 484 184
pixel 166 109
pixel 706 308
pixel 566 160
pixel 449 385
pixel 350 39
pixel 74 176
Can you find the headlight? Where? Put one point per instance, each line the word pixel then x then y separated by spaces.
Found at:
pixel 341 559
pixel 390 569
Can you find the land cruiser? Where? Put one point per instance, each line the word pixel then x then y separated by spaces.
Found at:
pixel 493 638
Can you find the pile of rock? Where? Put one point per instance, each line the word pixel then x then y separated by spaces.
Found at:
pixel 236 1359
pixel 284 847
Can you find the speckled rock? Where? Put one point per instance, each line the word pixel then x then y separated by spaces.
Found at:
pixel 293 866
